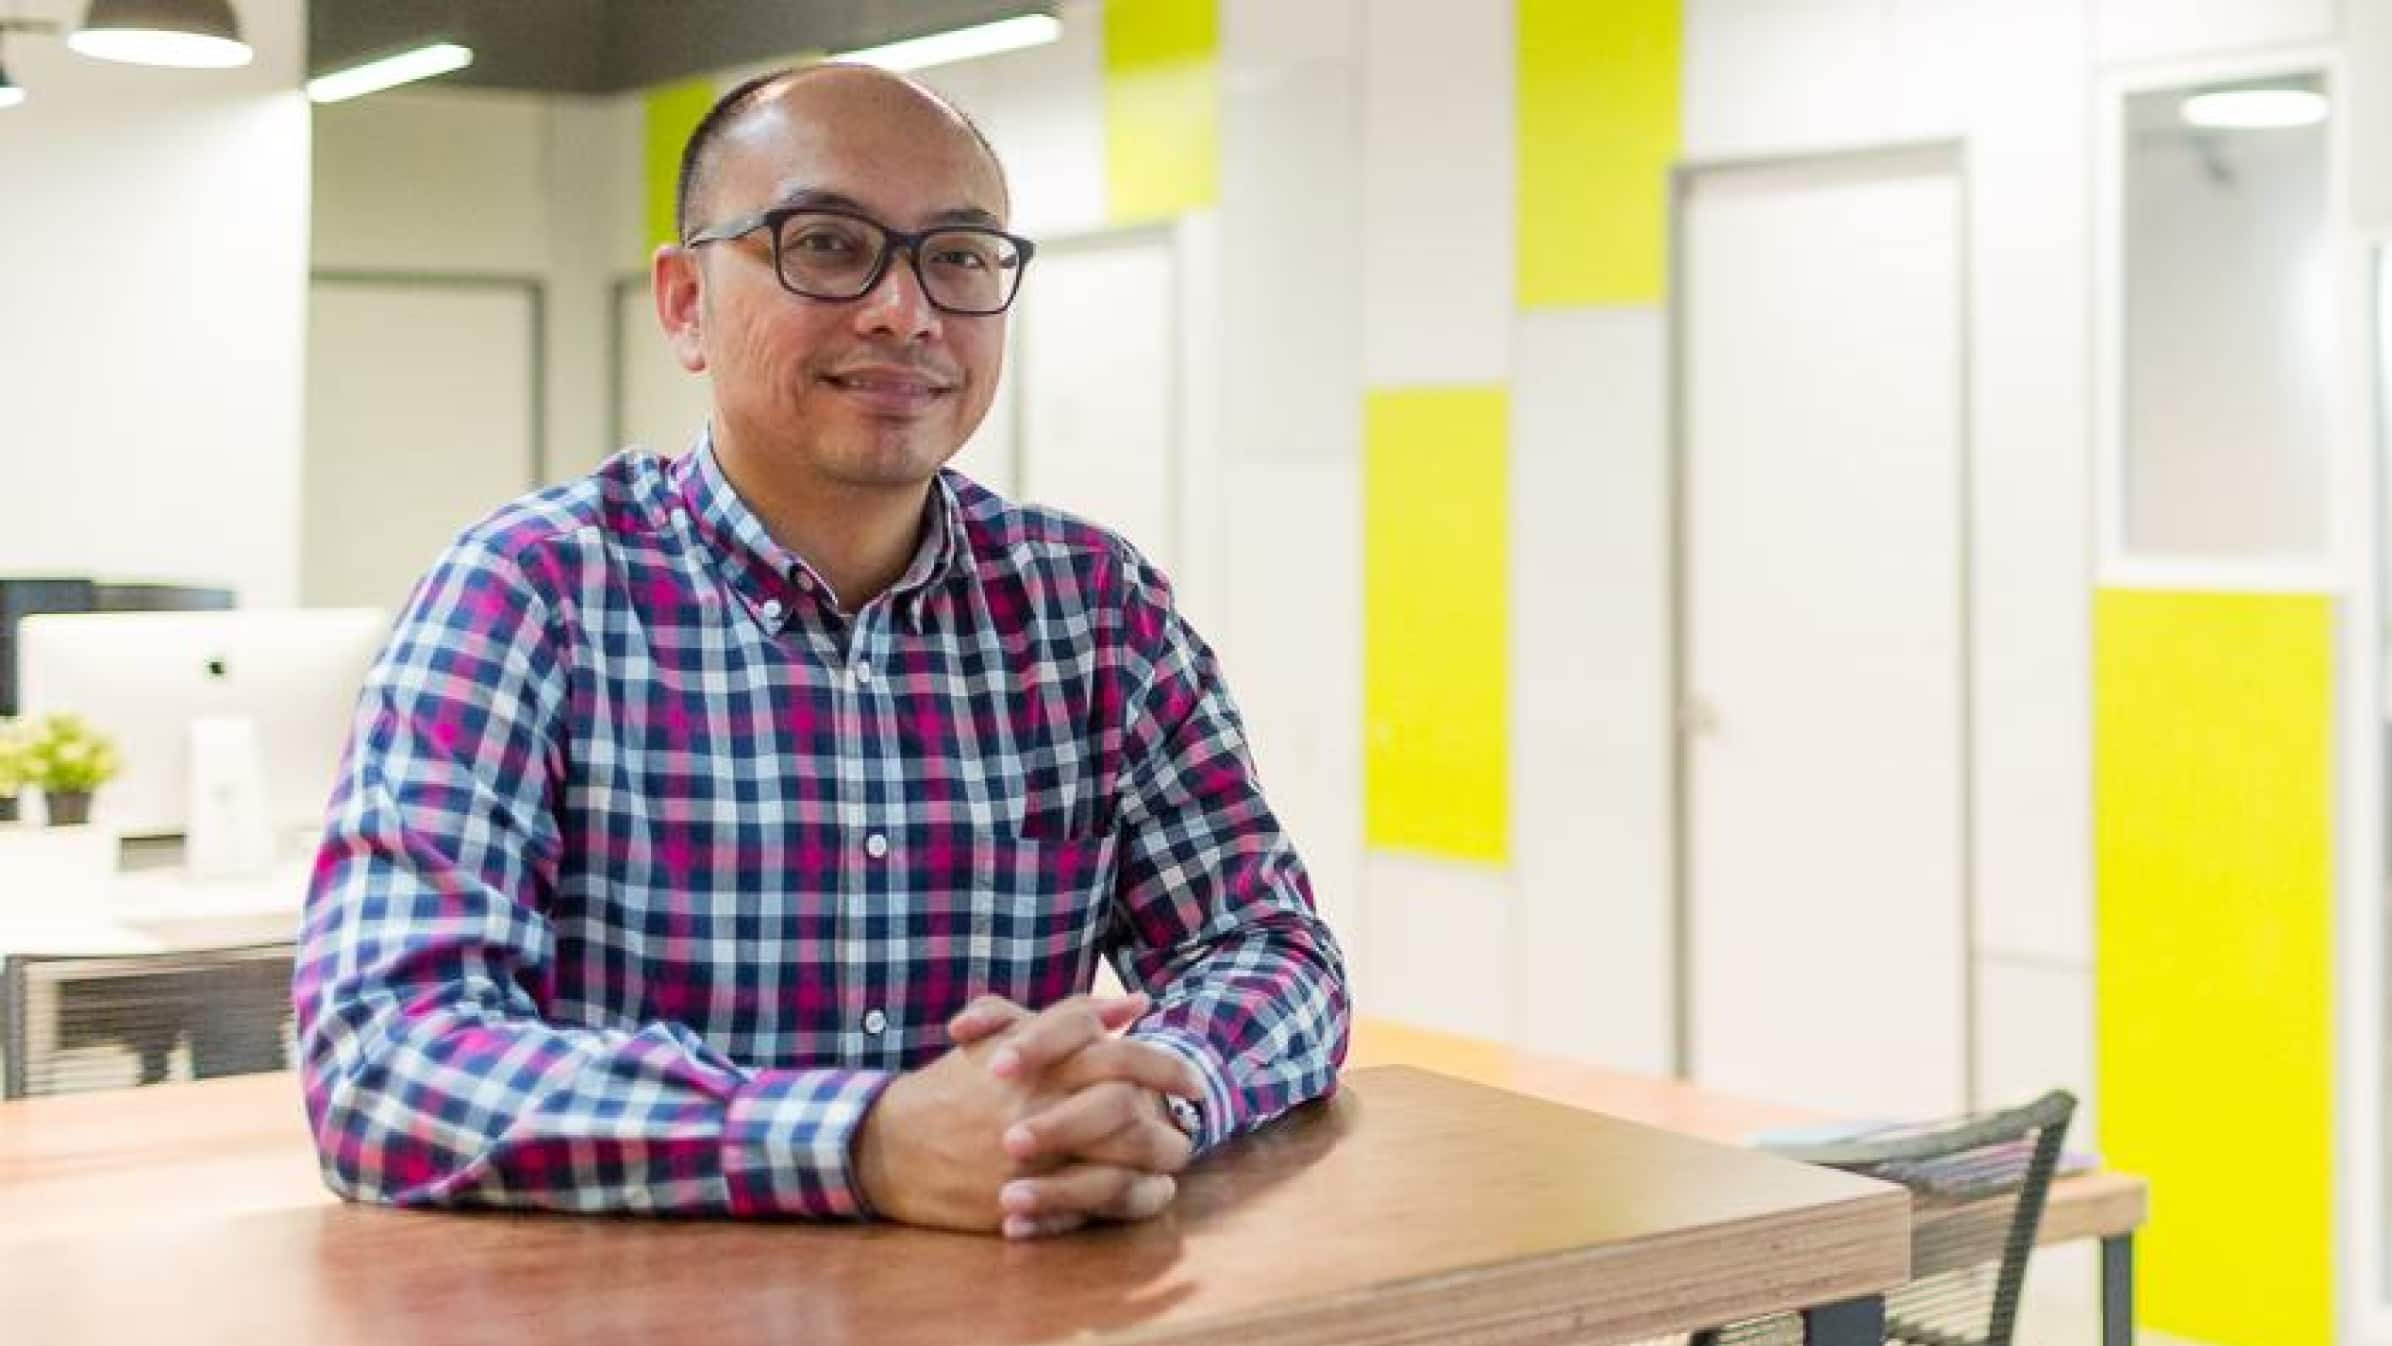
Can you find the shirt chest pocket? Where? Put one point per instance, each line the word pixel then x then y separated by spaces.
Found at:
pixel 1038 910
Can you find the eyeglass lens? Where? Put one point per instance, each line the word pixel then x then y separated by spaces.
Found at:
pixel 838 257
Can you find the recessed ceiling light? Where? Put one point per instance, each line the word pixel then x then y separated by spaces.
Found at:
pixel 438 58
pixel 961 44
pixel 2255 109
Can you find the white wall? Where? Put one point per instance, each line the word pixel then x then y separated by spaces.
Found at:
pixel 1291 431
pixel 1782 82
pixel 150 364
pixel 1594 969
pixel 1437 124
pixel 2130 31
pixel 1043 109
pixel 1583 914
pixel 439 182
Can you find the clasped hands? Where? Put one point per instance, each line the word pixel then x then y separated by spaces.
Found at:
pixel 1032 1126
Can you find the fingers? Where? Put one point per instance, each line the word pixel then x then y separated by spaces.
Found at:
pixel 1114 1124
pixel 1061 1030
pixel 1128 1062
pixel 1145 1199
pixel 1083 1191
pixel 1034 1227
pixel 992 1014
pixel 984 1018
pixel 1136 1206
pixel 1119 1012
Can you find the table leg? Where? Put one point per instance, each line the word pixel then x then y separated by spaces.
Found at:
pixel 1855 1322
pixel 2118 1290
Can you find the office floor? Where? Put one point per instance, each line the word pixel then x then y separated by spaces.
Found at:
pixel 2063 1303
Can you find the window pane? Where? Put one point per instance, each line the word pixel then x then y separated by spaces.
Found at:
pixel 2229 321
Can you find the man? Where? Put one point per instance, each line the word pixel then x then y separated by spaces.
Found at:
pixel 738 833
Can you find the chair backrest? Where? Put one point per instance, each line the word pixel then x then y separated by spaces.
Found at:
pixel 72 1020
pixel 1977 1193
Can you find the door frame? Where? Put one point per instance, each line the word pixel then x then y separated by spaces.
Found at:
pixel 1685 178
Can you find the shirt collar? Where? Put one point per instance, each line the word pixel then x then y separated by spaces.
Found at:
pixel 769 578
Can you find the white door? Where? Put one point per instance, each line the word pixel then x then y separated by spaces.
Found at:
pixel 1824 641
pixel 422 418
pixel 1096 362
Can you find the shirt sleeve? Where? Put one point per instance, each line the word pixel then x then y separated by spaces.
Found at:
pixel 1215 915
pixel 431 1072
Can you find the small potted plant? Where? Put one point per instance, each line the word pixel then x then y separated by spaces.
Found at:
pixel 16 768
pixel 70 760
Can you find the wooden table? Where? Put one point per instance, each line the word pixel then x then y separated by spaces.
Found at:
pixel 1414 1208
pixel 2100 1205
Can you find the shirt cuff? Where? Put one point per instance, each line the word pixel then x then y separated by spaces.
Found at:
pixel 789 1142
pixel 1216 1112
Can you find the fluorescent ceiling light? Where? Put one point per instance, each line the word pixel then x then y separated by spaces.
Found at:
pixel 962 44
pixel 2255 109
pixel 374 76
pixel 194 34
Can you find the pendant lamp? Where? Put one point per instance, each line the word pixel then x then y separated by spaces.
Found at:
pixel 194 34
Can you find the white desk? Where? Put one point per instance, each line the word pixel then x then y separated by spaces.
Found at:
pixel 156 910
pixel 146 912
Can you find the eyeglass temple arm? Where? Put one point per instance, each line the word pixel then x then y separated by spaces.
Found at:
pixel 728 229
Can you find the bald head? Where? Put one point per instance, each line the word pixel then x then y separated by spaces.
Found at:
pixel 805 103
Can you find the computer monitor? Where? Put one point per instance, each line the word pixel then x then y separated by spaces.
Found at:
pixel 144 678
pixel 23 596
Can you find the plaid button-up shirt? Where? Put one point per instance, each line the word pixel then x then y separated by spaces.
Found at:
pixel 648 865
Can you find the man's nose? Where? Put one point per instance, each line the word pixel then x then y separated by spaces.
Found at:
pixel 897 304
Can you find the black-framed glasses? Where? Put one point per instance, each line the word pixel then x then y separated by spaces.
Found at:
pixel 822 252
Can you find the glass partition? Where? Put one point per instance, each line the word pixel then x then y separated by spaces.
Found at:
pixel 2228 320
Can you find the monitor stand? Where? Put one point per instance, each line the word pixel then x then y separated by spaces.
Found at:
pixel 227 829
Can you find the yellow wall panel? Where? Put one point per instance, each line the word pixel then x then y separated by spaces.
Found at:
pixel 674 110
pixel 1162 108
pixel 1436 613
pixel 2214 843
pixel 1598 130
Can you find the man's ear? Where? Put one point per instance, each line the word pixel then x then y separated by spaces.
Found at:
pixel 673 274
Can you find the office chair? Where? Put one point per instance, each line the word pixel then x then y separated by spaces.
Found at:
pixel 1977 1189
pixel 231 1007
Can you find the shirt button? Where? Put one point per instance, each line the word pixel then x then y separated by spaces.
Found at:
pixel 875 1022
pixel 876 845
pixel 863 671
pixel 772 609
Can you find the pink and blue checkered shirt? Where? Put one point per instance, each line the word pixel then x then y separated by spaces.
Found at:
pixel 648 865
